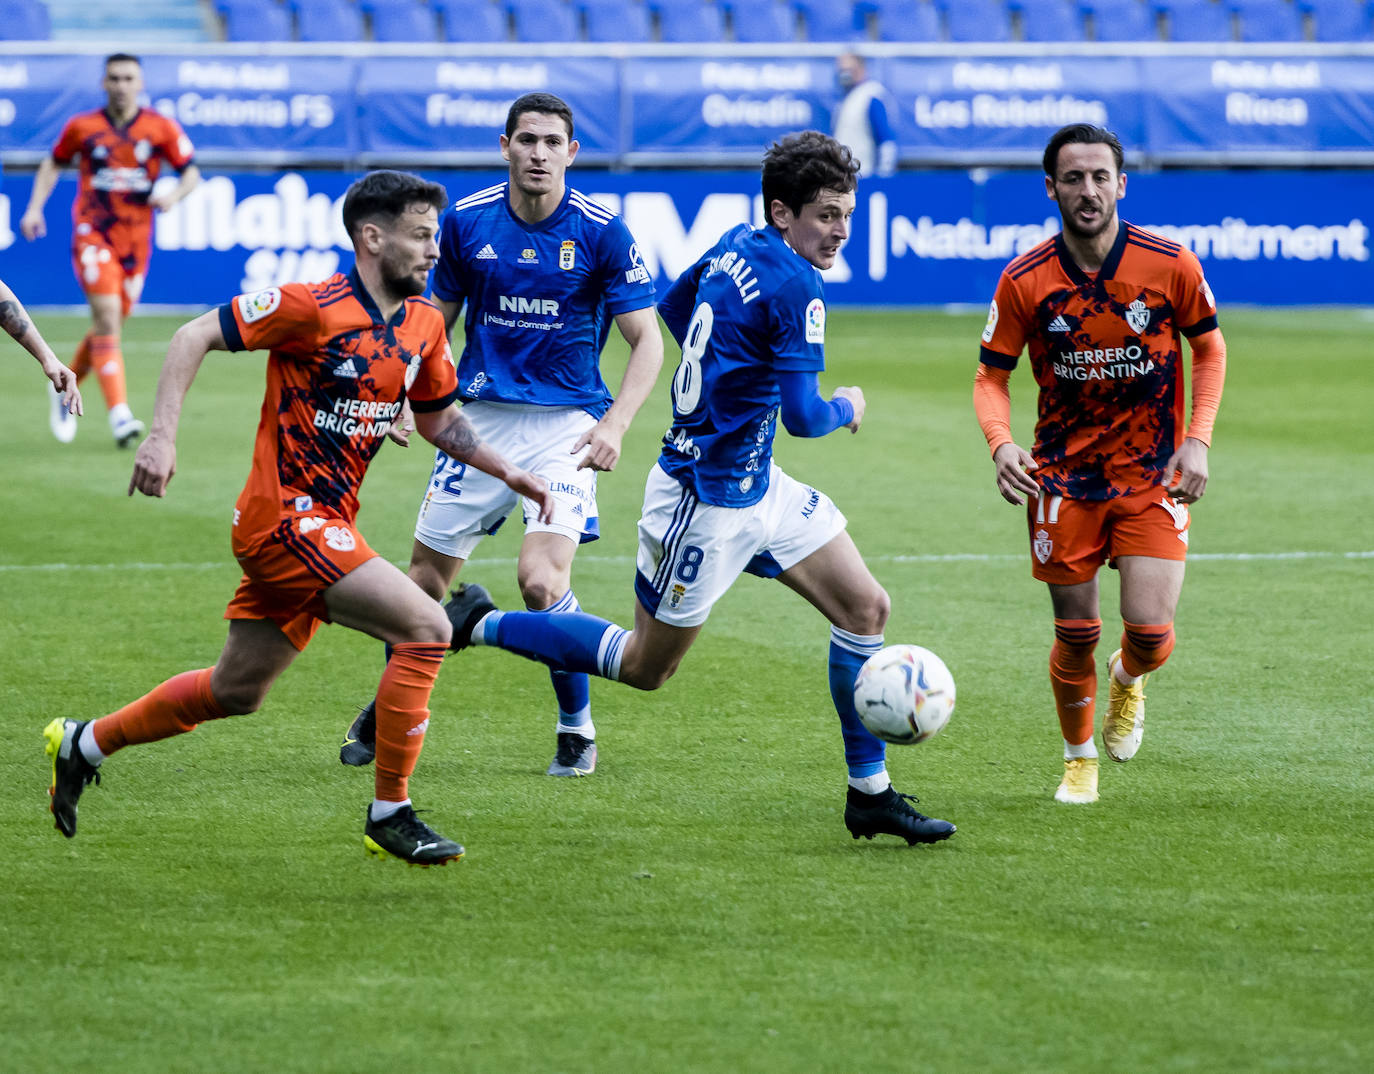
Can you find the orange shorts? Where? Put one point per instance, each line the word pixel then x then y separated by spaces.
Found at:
pixel 105 269
pixel 1071 539
pixel 287 569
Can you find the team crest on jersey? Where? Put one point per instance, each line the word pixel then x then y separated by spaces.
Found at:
pixel 1138 316
pixel 567 254
pixel 676 594
pixel 340 538
pixel 1043 546
pixel 528 257
pixel 991 326
pixel 311 524
pixel 259 304
pixel 815 321
pixel 143 149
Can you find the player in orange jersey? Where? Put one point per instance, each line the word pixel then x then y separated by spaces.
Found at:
pixel 1101 308
pixel 346 355
pixel 121 149
pixel 14 319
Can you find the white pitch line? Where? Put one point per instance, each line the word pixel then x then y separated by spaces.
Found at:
pixel 500 561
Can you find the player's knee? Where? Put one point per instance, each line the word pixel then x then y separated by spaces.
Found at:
pixel 238 698
pixel 867 611
pixel 541 589
pixel 429 628
pixel 645 675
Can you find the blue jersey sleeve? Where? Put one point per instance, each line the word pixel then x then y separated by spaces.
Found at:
pixel 625 279
pixel 676 307
pixel 804 412
pixel 449 275
pixel 796 324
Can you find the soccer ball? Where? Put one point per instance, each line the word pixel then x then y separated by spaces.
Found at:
pixel 904 694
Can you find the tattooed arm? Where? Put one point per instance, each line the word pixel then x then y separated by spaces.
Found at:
pixel 451 432
pixel 15 320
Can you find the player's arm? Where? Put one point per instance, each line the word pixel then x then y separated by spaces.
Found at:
pixel 805 413
pixel 186 182
pixel 1185 474
pixel 884 137
pixel 451 432
pixel 16 321
pixel 156 460
pixel 992 404
pixel 603 440
pixel 680 302
pixel 32 225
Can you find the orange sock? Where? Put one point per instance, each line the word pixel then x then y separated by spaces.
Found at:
pixel 403 714
pixel 1145 646
pixel 81 360
pixel 108 360
pixel 173 708
pixel 1073 676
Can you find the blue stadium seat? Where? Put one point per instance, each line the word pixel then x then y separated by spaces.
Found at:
pixel 903 20
pixel 616 20
pixel 1122 20
pixel 689 21
pixel 1268 20
pixel 254 20
pixel 829 20
pixel 24 20
pixel 1197 20
pixel 401 20
pixel 481 23
pixel 976 20
pixel 762 22
pixel 1049 20
pixel 327 20
pixel 543 20
pixel 1340 20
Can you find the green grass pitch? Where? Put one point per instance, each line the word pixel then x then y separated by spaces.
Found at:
pixel 697 905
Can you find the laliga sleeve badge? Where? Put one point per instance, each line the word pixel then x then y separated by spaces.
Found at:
pixel 260 304
pixel 991 326
pixel 815 321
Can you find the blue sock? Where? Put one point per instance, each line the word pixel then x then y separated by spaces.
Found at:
pixel 572 688
pixel 566 641
pixel 864 754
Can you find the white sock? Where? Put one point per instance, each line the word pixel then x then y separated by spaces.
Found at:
pixel 479 636
pixel 1119 672
pixel 874 784
pixel 586 729
pixel 120 412
pixel 1083 749
pixel 380 810
pixel 86 744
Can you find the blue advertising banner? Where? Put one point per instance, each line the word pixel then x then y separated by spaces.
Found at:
pixel 919 238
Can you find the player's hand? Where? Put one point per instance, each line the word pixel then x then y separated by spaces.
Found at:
pixel 154 466
pixel 603 447
pixel 403 426
pixel 533 487
pixel 1012 463
pixel 64 380
pixel 161 202
pixel 856 400
pixel 1185 474
pixel 32 226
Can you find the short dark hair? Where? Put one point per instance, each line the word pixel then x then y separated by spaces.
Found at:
pixel 546 103
pixel 388 194
pixel 798 166
pixel 1081 134
pixel 122 57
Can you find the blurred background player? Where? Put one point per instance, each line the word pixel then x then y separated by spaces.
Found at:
pixel 345 355
pixel 543 270
pixel 750 319
pixel 861 118
pixel 121 148
pixel 15 320
pixel 1100 308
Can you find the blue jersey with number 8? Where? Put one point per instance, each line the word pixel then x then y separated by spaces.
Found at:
pixel 750 308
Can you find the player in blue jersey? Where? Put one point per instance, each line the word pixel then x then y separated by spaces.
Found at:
pixel 750 319
pixel 542 270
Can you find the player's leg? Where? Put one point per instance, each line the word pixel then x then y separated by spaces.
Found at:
pixel 254 655
pixel 379 600
pixel 1150 589
pixel 836 581
pixel 107 299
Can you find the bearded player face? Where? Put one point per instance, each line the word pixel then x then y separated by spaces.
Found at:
pixel 410 249
pixel 1086 186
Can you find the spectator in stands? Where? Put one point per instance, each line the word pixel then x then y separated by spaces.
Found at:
pixel 15 320
pixel 122 148
pixel 861 120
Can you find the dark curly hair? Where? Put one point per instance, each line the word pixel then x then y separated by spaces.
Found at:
pixel 545 103
pixel 1081 134
pixel 386 195
pixel 798 166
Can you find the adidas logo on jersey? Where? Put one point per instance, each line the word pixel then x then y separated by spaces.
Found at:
pixel 1060 325
pixel 486 253
pixel 346 369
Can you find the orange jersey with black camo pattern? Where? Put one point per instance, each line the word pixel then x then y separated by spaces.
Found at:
pixel 1107 355
pixel 118 168
pixel 336 378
